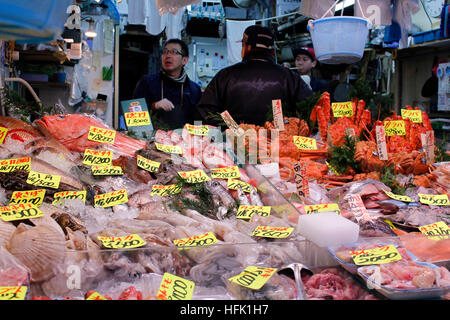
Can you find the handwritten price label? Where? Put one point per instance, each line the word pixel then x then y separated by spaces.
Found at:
pixel 246 211
pixel 234 184
pixel 381 142
pixel 106 171
pixel 147 164
pixel 356 205
pixel 96 296
pixel 175 288
pixel 163 191
pixel 195 176
pixel 43 180
pixel 398 197
pixel 396 127
pixel 413 115
pixel 3 132
pixel 13 293
pixel 137 119
pixel 97 157
pixel 226 173
pixel 197 130
pixel 19 212
pixel 278 114
pixel 253 277
pixel 436 231
pixel 378 255
pixel 101 135
pixel 326 207
pixel 301 180
pixel 342 109
pixel 126 242
pixel 34 197
pixel 305 143
pixel 111 199
pixel 272 232
pixel 435 200
pixel 69 195
pixel 232 125
pixel 11 165
pixel 200 240
pixel 168 148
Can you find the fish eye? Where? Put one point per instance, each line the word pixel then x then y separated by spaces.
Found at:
pixel 61 116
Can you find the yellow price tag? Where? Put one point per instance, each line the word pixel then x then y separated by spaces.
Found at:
pixel 69 195
pixel 168 148
pixel 97 157
pixel 226 173
pixel 436 231
pixel 195 176
pixel 247 211
pixel 342 109
pixel 106 170
pixel 253 277
pixel 101 135
pixel 175 288
pixel 326 207
pixel 43 180
pixel 234 184
pixel 197 130
pixel 378 255
pixel 11 165
pixel 396 127
pixel 163 191
pixel 136 119
pixel 126 242
pixel 435 200
pixel 3 132
pixel 147 164
pixel 13 293
pixel 272 232
pixel 398 197
pixel 200 240
pixel 20 212
pixel 391 225
pixel 96 296
pixel 413 115
pixel 111 199
pixel 305 143
pixel 34 197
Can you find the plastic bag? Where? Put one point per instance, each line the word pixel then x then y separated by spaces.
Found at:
pixel 172 6
pixel 12 272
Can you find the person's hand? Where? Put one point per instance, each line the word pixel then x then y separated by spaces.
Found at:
pixel 164 104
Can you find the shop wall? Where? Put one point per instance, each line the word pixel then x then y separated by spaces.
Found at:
pixel 415 71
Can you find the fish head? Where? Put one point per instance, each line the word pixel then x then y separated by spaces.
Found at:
pixel 19 132
pixel 66 125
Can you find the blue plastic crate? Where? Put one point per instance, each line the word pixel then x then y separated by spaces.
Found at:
pixel 427 36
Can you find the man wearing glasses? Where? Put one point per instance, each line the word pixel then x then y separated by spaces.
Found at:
pixel 171 95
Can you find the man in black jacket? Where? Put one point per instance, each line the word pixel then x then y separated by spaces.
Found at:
pixel 246 89
pixel 170 94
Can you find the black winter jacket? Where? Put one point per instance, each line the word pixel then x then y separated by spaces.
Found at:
pixel 246 90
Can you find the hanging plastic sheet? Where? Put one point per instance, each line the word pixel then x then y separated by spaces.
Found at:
pixel 377 11
pixel 172 6
pixel 315 9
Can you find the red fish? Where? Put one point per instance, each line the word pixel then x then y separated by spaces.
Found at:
pixel 72 131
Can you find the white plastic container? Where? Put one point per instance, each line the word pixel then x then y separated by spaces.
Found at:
pixel 339 39
pixel 327 229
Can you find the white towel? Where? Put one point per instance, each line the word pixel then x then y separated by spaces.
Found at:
pixel 235 30
pixel 155 23
pixel 137 11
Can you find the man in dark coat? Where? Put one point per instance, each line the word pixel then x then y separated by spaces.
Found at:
pixel 246 89
pixel 170 93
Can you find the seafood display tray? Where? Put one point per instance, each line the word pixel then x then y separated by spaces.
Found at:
pixel 404 294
